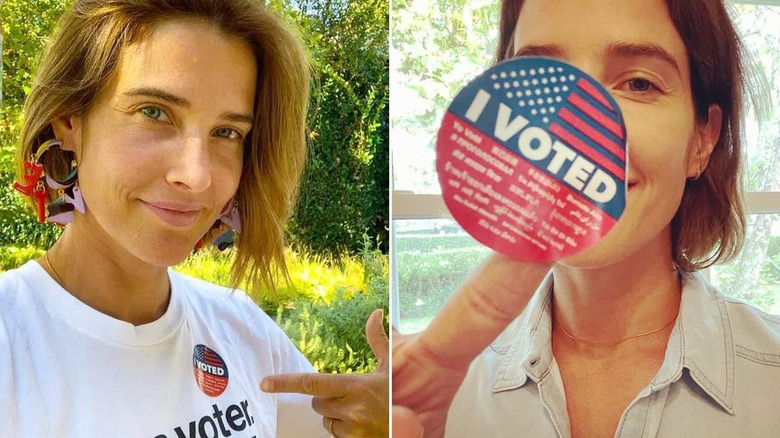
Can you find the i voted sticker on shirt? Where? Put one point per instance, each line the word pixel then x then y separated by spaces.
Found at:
pixel 532 159
pixel 211 372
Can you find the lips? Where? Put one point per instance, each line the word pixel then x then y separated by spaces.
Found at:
pixel 176 214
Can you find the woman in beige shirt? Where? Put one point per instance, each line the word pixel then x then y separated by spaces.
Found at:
pixel 625 338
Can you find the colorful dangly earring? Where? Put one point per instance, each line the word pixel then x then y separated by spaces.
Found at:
pixel 70 199
pixel 229 225
pixel 37 183
pixel 33 185
pixel 232 216
pixel 225 229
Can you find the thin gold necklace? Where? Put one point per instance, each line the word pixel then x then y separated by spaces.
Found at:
pixel 620 341
pixel 51 268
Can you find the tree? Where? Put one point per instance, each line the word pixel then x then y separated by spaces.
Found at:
pixel 750 275
pixel 344 193
pixel 25 25
pixel 437 47
pixel 1 59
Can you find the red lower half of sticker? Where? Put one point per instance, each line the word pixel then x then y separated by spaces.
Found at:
pixel 507 203
pixel 210 384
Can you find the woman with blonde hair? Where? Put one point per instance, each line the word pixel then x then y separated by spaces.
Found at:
pixel 626 338
pixel 151 127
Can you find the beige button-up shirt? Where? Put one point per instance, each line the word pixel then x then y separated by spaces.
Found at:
pixel 720 376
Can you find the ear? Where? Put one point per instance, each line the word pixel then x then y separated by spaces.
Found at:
pixel 708 134
pixel 68 129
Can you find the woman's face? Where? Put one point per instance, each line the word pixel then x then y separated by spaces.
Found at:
pixel 633 49
pixel 160 151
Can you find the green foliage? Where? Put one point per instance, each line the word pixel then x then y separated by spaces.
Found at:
pixel 313 277
pixel 438 45
pixel 208 264
pixel 332 335
pixel 18 226
pixel 319 333
pixel 11 257
pixel 344 191
pixel 430 268
pixel 25 25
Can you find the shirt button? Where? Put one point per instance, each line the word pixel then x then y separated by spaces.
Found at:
pixel 534 361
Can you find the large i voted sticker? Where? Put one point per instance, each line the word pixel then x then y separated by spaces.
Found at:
pixel 531 157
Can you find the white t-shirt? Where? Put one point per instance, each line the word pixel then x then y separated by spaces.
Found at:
pixel 67 370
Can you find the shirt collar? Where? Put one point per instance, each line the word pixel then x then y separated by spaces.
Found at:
pixel 701 342
pixel 527 344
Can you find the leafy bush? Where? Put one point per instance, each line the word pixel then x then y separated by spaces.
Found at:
pixel 23 42
pixel 430 268
pixel 332 334
pixel 11 257
pixel 344 192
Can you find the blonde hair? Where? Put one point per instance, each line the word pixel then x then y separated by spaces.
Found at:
pixel 83 56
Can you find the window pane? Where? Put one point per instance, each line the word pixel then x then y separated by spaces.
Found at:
pixel 754 276
pixel 436 47
pixel 433 257
pixel 758 26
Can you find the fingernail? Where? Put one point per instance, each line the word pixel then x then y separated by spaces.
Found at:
pixel 266 386
pixel 381 314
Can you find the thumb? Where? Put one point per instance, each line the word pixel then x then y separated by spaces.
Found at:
pixel 377 339
pixel 405 423
pixel 480 310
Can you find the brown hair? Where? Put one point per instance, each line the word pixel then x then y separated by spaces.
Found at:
pixel 83 56
pixel 709 225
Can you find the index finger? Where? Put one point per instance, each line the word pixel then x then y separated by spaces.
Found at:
pixel 491 298
pixel 323 385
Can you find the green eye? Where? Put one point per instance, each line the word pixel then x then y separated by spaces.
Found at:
pixel 228 133
pixel 152 112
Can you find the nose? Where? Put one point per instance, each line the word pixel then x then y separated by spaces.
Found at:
pixel 191 165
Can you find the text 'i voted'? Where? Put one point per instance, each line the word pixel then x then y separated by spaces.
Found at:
pixel 532 159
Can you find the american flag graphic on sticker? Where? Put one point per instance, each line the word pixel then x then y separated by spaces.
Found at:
pixel 211 373
pixel 532 159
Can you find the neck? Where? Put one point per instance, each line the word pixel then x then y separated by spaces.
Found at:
pixel 108 278
pixel 607 305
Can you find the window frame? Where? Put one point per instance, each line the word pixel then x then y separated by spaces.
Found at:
pixel 409 205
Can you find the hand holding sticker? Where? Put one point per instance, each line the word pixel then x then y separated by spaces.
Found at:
pixel 531 158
